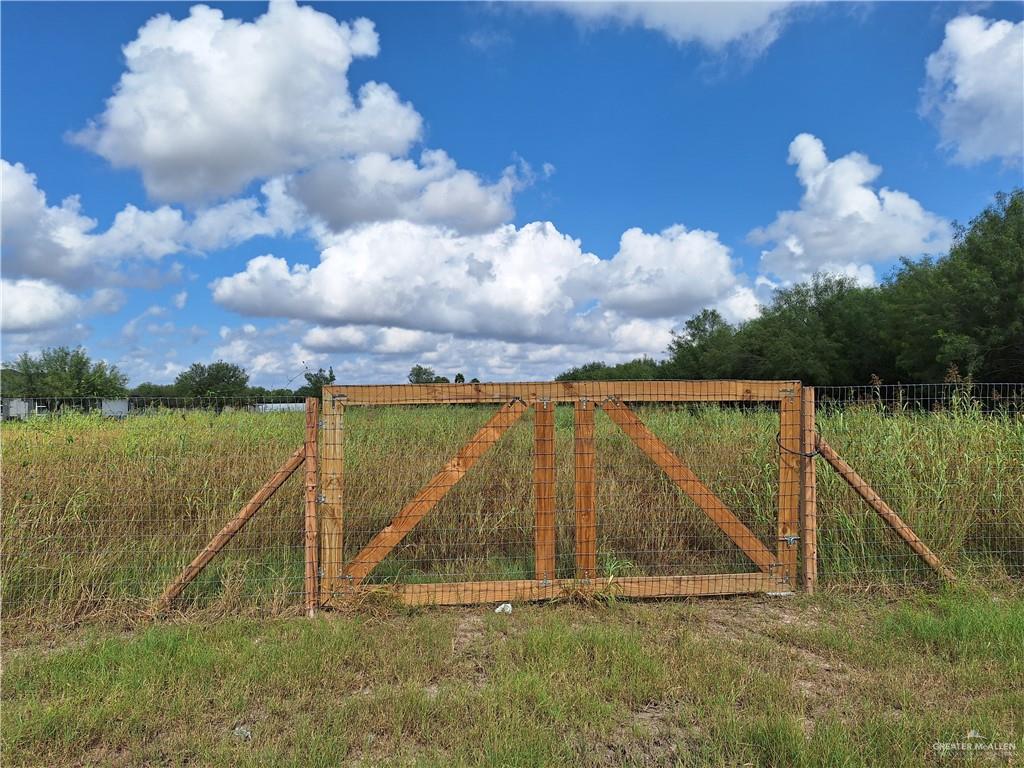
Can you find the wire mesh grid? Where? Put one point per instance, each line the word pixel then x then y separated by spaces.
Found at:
pixel 946 459
pixel 538 492
pixel 101 512
pixel 688 490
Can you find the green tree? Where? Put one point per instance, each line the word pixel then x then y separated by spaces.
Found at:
pixel 642 368
pixel 966 309
pixel 705 350
pixel 62 372
pixel 219 379
pixel 148 389
pixel 421 374
pixel 459 378
pixel 315 382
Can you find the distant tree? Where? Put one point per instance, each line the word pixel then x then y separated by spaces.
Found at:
pixel 277 392
pixel 421 374
pixel 62 372
pixel 148 389
pixel 474 380
pixel 219 379
pixel 315 382
pixel 704 350
pixel 460 379
pixel 441 380
pixel 643 368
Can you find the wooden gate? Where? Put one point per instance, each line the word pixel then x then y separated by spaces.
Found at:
pixel 331 581
pixel 773 564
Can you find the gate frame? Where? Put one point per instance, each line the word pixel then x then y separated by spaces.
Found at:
pixel 341 582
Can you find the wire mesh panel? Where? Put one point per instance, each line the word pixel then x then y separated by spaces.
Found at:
pixel 479 525
pixel 474 493
pixel 103 507
pixel 689 490
pixel 947 460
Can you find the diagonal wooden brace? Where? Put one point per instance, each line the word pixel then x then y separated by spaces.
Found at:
pixel 228 531
pixel 689 484
pixel 894 521
pixel 380 545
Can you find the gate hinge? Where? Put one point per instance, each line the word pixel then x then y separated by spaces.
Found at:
pixel 321 499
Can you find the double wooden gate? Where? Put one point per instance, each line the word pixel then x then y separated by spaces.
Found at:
pixel 779 562
pixel 774 564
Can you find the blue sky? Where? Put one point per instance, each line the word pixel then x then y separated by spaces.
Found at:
pixel 501 189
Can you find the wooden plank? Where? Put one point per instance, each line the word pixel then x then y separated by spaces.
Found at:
pixel 789 488
pixel 689 484
pixel 809 487
pixel 544 490
pixel 310 522
pixel 866 492
pixel 332 484
pixel 564 391
pixel 477 592
pixel 371 555
pixel 218 542
pixel 586 485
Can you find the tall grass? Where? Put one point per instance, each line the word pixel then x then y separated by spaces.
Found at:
pixel 99 514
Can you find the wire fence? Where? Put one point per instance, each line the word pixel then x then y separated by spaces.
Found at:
pixel 947 458
pixel 100 511
pixel 103 508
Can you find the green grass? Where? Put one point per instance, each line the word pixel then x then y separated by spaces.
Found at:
pixel 830 680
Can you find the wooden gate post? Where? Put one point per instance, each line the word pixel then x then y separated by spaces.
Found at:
pixel 332 484
pixel 586 515
pixel 310 526
pixel 544 489
pixel 789 486
pixel 809 506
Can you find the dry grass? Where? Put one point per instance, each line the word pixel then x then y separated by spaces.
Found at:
pixel 99 514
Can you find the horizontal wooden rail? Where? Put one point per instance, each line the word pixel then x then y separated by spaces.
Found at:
pixel 218 542
pixel 475 592
pixel 866 492
pixel 564 391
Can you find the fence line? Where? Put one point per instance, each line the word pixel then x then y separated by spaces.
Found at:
pixel 630 494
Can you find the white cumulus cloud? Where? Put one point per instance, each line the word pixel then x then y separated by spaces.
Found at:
pixel 397 288
pixel 843 225
pixel 59 243
pixel 208 104
pixel 975 89
pixel 30 305
pixel 377 187
pixel 752 25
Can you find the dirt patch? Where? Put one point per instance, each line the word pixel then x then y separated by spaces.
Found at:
pixel 469 627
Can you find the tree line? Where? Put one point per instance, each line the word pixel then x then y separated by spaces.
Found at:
pixel 959 315
pixel 64 372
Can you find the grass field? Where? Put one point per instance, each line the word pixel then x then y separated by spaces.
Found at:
pixel 100 514
pixel 878 669
pixel 837 680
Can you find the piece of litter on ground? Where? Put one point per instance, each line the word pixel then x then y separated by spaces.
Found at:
pixel 504 608
pixel 243 733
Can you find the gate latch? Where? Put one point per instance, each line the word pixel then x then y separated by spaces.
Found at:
pixel 791 539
